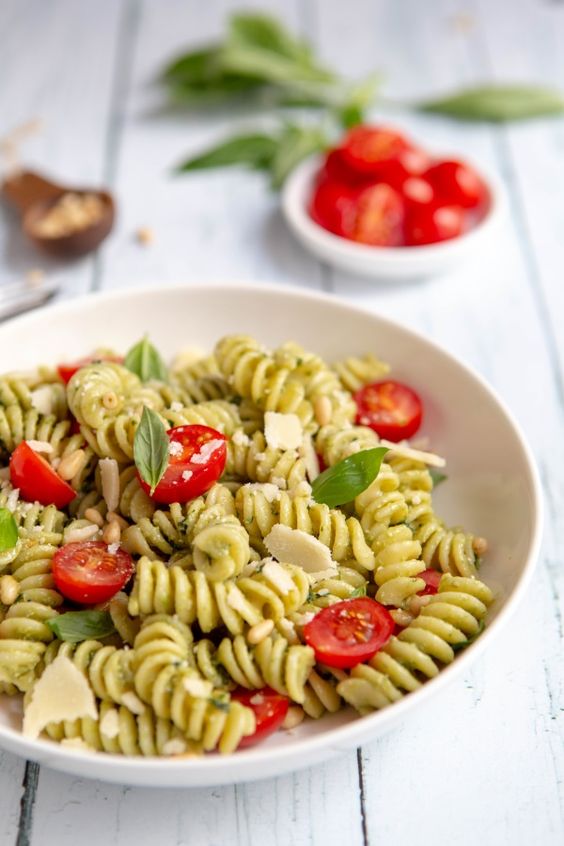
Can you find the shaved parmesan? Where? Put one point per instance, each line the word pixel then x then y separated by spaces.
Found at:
pixel 42 399
pixel 404 451
pixel 282 431
pixel 236 600
pixel 62 693
pixel 40 446
pixel 297 547
pixel 311 460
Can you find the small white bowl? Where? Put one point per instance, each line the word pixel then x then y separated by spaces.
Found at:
pixel 492 489
pixel 392 263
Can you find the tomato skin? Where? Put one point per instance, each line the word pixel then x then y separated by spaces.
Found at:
pixel 201 474
pixel 379 217
pixel 36 479
pixel 457 184
pixel 374 151
pixel 88 573
pixel 350 632
pixel 432 580
pixel 269 713
pixel 432 225
pixel 418 193
pixel 67 371
pixel 332 206
pixel 391 408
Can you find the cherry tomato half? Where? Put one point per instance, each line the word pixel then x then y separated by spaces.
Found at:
pixel 67 371
pixel 457 184
pixel 333 207
pixel 36 479
pixel 269 708
pixel 391 408
pixel 347 633
pixel 375 151
pixel 197 456
pixel 432 579
pixel 379 217
pixel 430 225
pixel 89 573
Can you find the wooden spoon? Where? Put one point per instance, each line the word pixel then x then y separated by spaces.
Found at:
pixel 34 197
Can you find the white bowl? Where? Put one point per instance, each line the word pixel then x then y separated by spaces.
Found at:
pixel 492 488
pixel 385 263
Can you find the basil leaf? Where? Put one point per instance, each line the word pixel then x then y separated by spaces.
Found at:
pixel 76 626
pixel 295 144
pixel 264 31
pixel 348 478
pixel 144 360
pixel 498 103
pixel 150 448
pixel 437 476
pixel 8 530
pixel 255 150
pixel 359 591
pixel 256 62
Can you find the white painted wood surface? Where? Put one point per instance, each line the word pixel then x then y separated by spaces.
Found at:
pixel 487 765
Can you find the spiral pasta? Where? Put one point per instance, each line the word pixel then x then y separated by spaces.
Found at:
pixel 451 619
pixel 213 604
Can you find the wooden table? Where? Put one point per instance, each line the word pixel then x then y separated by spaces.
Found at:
pixel 485 764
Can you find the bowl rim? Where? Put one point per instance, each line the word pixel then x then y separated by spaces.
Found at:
pixel 297 187
pixel 246 765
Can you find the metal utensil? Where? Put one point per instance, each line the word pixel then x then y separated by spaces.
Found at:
pixel 17 298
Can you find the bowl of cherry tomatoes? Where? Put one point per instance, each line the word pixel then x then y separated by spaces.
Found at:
pixel 381 206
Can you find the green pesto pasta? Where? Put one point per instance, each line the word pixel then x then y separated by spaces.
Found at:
pixel 207 621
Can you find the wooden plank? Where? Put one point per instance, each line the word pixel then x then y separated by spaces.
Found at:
pixel 59 61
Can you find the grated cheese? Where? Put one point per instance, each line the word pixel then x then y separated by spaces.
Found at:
pixel 206 451
pixel 283 431
pixel 62 693
pixel 297 547
pixel 270 492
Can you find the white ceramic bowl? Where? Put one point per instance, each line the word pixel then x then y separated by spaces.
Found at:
pixel 384 263
pixel 492 487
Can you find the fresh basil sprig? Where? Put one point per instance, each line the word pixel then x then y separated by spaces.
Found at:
pixel 8 530
pixel 498 103
pixel 348 478
pixel 437 476
pixel 150 448
pixel 359 591
pixel 76 626
pixel 144 360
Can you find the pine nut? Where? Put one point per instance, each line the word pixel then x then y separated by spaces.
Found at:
pixel 293 718
pixel 110 400
pixel 109 475
pixel 112 533
pixel 112 517
pixel 94 516
pixel 257 633
pixel 322 410
pixel 480 546
pixel 71 464
pixel 9 590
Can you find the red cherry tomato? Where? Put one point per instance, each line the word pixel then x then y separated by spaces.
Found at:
pixel 36 479
pixel 457 184
pixel 374 151
pixel 392 409
pixel 197 456
pixel 332 206
pixel 379 217
pixel 335 169
pixel 347 633
pixel 431 225
pixel 269 707
pixel 432 579
pixel 67 371
pixel 89 573
pixel 418 193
